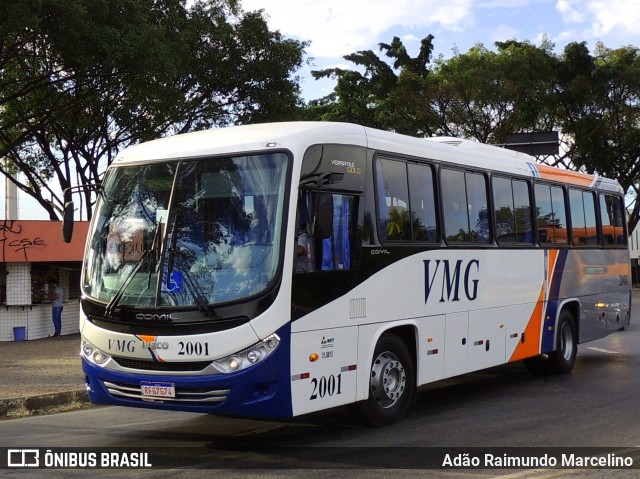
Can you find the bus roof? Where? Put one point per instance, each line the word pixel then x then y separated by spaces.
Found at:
pixel 298 136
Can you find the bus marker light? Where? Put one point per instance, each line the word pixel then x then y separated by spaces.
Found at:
pixel 234 363
pixel 254 356
pixel 99 358
pixel 249 356
pixel 87 349
pixel 313 357
pixel 429 340
pixel 94 355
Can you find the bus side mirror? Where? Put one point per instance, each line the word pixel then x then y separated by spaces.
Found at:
pixel 324 216
pixel 67 222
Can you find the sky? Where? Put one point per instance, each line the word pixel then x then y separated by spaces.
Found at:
pixel 338 27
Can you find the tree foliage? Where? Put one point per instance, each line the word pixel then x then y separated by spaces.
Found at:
pixel 600 102
pixel 80 80
pixel 592 99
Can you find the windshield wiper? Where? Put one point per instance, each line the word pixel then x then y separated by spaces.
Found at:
pixel 202 303
pixel 198 297
pixel 111 306
pixel 203 306
pixel 154 249
pixel 172 246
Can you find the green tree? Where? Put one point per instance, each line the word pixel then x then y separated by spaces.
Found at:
pixel 486 94
pixel 599 103
pixel 592 100
pixel 480 94
pixel 356 95
pixel 80 80
pixel 368 95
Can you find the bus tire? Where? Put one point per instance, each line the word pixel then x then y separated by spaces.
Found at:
pixel 562 360
pixel 391 383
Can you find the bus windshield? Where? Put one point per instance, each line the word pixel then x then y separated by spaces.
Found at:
pixel 187 233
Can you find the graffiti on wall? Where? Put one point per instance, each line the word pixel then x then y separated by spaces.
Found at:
pixel 12 240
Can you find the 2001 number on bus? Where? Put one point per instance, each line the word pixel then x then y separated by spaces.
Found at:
pixel 326 386
pixel 193 349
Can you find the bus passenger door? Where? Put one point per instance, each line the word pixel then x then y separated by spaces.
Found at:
pixel 326 269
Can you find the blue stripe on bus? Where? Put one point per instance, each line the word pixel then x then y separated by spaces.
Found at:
pixel 548 333
pixel 534 170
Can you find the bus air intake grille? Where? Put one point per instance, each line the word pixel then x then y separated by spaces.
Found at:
pixel 183 395
pixel 358 308
pixel 146 365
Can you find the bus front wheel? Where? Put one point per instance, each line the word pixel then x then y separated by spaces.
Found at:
pixel 391 383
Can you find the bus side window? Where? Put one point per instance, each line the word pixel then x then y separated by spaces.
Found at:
pixel 334 246
pixel 422 201
pixel 406 201
pixel 583 217
pixel 304 261
pixel 551 216
pixel 324 237
pixel 512 211
pixel 612 219
pixel 465 206
pixel 393 199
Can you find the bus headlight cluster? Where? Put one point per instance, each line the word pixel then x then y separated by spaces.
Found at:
pixel 93 354
pixel 248 357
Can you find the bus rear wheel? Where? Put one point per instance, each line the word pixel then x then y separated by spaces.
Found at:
pixel 563 358
pixel 391 383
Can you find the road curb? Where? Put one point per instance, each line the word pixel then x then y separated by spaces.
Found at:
pixel 15 408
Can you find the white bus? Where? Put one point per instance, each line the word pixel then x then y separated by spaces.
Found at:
pixel 275 270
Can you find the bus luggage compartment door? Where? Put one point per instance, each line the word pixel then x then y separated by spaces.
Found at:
pixel 323 368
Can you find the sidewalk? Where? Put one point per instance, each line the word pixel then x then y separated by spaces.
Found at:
pixel 41 377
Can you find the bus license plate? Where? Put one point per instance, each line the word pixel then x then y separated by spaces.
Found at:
pixel 158 390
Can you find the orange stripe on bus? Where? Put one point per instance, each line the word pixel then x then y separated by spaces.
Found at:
pixel 146 338
pixel 531 345
pixel 551 266
pixel 565 176
pixel 533 331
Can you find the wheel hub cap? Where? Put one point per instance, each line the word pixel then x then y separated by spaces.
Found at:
pixel 388 380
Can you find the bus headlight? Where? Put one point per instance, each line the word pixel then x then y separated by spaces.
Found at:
pixel 248 357
pixel 93 354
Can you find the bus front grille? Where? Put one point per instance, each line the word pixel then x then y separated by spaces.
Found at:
pixel 183 395
pixel 148 365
